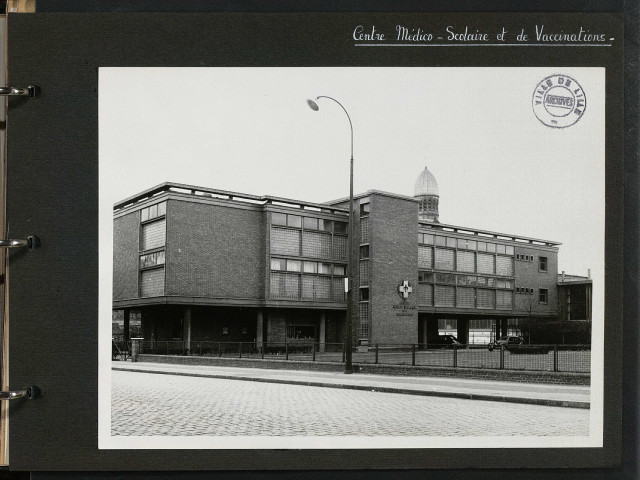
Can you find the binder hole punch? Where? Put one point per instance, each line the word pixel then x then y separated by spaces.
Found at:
pixel 30 91
pixel 29 393
pixel 32 241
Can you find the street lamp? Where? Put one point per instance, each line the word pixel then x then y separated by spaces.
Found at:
pixel 348 367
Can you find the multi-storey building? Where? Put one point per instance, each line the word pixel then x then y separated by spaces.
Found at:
pixel 206 264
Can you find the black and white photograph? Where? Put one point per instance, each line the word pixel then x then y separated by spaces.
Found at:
pixel 351 257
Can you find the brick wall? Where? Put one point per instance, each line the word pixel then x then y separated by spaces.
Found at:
pixel 214 251
pixel 393 233
pixel 125 256
pixel 528 274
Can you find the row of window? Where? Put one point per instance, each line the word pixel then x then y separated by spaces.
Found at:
pixel 304 243
pixel 157 210
pixel 295 286
pixel 464 297
pixel 472 280
pixel 464 261
pixel 543 293
pixel 289 265
pixel 310 223
pixel 464 244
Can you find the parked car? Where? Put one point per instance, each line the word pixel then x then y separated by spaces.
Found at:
pixel 442 341
pixel 506 341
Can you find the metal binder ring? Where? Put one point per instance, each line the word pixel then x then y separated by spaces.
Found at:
pixel 31 242
pixel 31 393
pixel 30 91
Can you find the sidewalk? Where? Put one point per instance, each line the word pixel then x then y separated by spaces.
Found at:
pixel 529 393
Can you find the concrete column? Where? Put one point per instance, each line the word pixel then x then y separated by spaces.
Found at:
pixel 125 333
pixel 505 326
pixel 425 336
pixel 259 329
pixel 322 334
pixel 186 315
pixel 463 331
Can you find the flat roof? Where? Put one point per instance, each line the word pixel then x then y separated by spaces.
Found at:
pixel 487 234
pixel 200 192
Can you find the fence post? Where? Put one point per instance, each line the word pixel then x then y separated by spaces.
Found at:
pixel 313 348
pixel 200 347
pixel 413 355
pixel 239 349
pixel 219 349
pixel 501 357
pixel 376 353
pixel 455 356
pixel 286 349
pixel 343 352
pixel 262 347
pixel 183 348
pixel 555 358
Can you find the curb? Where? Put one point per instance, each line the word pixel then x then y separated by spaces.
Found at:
pixel 404 391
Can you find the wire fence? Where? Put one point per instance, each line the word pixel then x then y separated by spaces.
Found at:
pixel 549 358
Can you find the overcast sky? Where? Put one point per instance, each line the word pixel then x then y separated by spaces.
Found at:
pixel 250 130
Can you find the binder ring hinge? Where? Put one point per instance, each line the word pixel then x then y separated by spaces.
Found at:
pixel 29 393
pixel 31 241
pixel 30 91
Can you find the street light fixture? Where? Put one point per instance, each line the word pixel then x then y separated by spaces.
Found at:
pixel 348 367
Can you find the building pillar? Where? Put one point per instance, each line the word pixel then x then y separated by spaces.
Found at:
pixel 462 330
pixel 125 332
pixel 259 329
pixel 187 328
pixel 323 332
pixel 505 326
pixel 425 335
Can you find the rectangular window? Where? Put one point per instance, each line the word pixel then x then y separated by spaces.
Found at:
pixel 316 244
pixel 340 227
pixel 293 265
pixel 486 298
pixel 152 260
pixel 504 299
pixel 152 282
pixel 504 266
pixel 482 281
pixel 425 257
pixel 486 263
pixel 339 249
pixel 278 219
pixel 482 247
pixel 543 264
pixel 310 267
pixel 310 223
pixel 509 250
pixel 364 251
pixel 364 272
pixel 441 241
pixel 278 264
pixel 451 242
pixel 365 209
pixel 544 295
pixel 444 259
pixel 425 294
pixel 285 241
pixel 324 268
pixel 153 211
pixel 364 230
pixel 325 225
pixel 316 288
pixel 445 296
pixel 466 261
pixel 153 235
pixel 285 285
pixel 491 247
pixel 465 297
pixel 428 239
pixel 501 249
pixel 339 270
pixel 425 277
pixel 294 221
pixel 445 278
pixel 364 294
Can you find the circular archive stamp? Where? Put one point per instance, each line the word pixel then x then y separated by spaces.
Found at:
pixel 559 101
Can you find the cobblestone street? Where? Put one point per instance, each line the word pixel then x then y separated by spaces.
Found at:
pixel 151 404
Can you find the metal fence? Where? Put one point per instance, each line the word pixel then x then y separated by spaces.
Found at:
pixel 550 358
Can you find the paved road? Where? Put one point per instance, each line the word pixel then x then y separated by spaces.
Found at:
pixel 151 404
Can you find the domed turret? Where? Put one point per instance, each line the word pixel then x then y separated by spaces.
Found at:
pixel 426 190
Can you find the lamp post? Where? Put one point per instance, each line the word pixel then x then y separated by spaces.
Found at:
pixel 348 367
